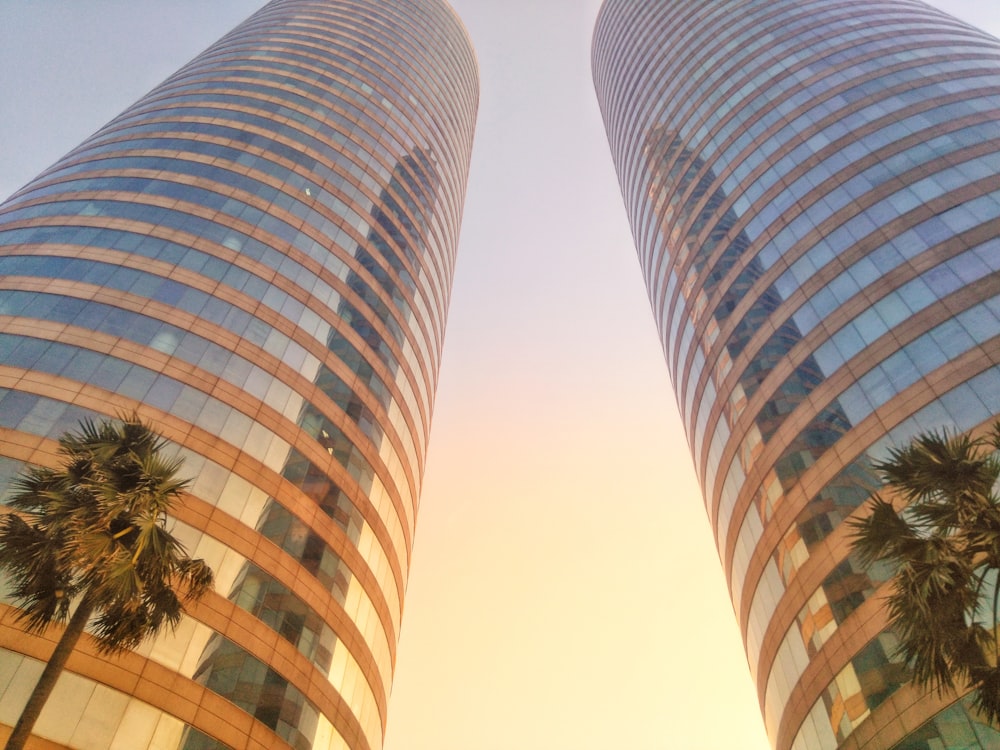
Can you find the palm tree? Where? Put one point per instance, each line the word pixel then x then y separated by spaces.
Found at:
pixel 92 534
pixel 945 546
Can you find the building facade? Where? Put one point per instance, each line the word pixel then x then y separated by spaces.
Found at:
pixel 257 258
pixel 814 191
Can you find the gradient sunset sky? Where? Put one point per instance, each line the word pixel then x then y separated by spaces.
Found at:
pixel 565 590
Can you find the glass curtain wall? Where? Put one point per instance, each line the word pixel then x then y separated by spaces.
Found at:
pixel 257 258
pixel 814 191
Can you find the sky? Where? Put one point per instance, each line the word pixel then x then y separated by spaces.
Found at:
pixel 565 589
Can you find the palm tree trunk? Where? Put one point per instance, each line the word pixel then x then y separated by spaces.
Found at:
pixel 65 646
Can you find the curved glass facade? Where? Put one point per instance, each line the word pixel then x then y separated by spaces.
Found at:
pixel 814 191
pixel 257 257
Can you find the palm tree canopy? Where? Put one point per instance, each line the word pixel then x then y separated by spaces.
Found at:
pixel 95 528
pixel 945 547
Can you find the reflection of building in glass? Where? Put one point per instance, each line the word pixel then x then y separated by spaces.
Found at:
pixel 813 190
pixel 257 256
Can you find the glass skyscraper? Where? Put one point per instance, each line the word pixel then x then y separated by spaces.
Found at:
pixel 257 258
pixel 814 191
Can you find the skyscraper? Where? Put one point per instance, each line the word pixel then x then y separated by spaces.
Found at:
pixel 814 192
pixel 257 257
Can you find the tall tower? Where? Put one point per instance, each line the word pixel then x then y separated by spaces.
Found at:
pixel 257 257
pixel 814 192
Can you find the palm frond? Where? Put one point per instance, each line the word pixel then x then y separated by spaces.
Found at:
pixel 163 607
pixel 993 436
pixel 945 546
pixel 196 577
pixel 96 528
pixel 121 627
pixel 40 581
pixel 882 535
pixel 987 695
pixel 938 465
